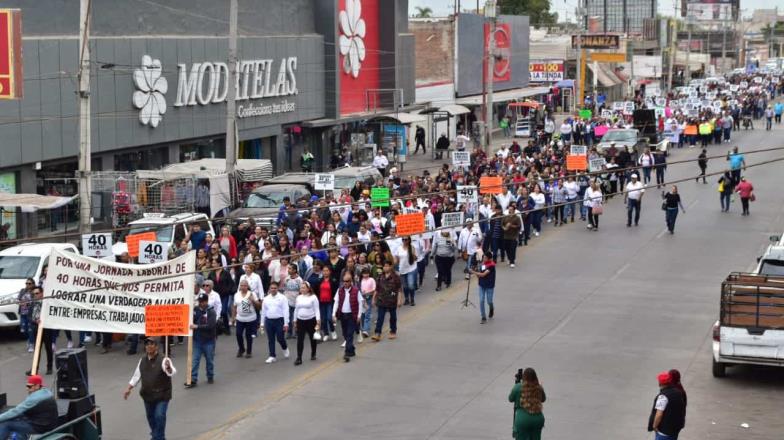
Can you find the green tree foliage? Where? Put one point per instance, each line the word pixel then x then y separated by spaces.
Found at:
pixel 423 12
pixel 537 10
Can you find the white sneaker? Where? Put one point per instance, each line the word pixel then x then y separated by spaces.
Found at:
pixel 512 265
pixel 343 344
pixel 286 353
pixel 360 338
pixel 69 344
pixel 334 336
pixel 30 348
pixel 536 233
pixel 270 360
pixel 435 277
pixel 549 220
pixel 88 339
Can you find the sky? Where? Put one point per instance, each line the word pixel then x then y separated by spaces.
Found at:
pixel 566 8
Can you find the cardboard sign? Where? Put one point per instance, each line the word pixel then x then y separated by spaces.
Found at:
pixel 628 107
pixel 596 165
pixel 661 102
pixel 410 224
pixel 467 194
pixel 379 197
pixel 757 79
pixel 461 159
pixel 490 185
pixel 153 251
pixel 600 130
pixel 451 219
pixel 578 150
pixel 133 241
pixel 618 106
pixel 97 245
pixel 167 320
pixel 86 294
pixel 585 114
pixel 576 163
pixel 324 182
pixel 734 88
pixel 607 114
pixel 744 84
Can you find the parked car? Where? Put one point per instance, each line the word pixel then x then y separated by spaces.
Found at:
pixel 263 204
pixel 16 265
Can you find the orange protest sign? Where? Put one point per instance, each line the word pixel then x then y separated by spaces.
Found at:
pixel 132 241
pixel 408 224
pixel 167 320
pixel 490 185
pixel 576 162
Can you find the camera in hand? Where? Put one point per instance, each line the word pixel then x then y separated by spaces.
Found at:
pixel 519 375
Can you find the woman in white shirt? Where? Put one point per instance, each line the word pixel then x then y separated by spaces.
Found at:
pixel 539 204
pixel 593 201
pixel 407 265
pixel 646 161
pixel 307 320
pixel 243 314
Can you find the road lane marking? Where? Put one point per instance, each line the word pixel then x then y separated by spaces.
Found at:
pixel 661 234
pixel 620 271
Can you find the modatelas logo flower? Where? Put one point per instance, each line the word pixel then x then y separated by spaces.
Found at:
pixel 352 45
pixel 151 87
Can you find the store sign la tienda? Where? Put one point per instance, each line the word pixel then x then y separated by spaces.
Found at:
pixel 207 83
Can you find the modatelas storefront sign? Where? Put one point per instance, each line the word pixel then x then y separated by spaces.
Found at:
pixel 207 83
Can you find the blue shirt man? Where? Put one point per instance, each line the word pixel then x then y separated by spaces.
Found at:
pixel 778 108
pixel 197 236
pixel 737 160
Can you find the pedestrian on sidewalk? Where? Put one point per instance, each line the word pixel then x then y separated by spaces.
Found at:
pixel 486 276
pixel 204 328
pixel 632 197
pixel 702 162
pixel 380 162
pixel 528 397
pixel 419 137
pixel 672 201
pixel 668 415
pixel 154 372
pixel 307 320
pixel 442 145
pixel 348 306
pixel 746 191
pixel 275 319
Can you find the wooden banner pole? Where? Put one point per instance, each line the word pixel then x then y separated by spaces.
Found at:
pixel 37 352
pixel 189 363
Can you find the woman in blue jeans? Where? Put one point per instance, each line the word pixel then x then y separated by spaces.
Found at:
pixel 407 264
pixel 672 201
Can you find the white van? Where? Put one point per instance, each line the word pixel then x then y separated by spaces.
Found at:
pixel 16 265
pixel 167 229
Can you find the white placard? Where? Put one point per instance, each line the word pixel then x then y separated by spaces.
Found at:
pixel 578 150
pixel 97 245
pixel 451 219
pixel 734 88
pixel 628 107
pixel 86 294
pixel 153 252
pixel 757 80
pixel 607 114
pixel 467 194
pixel 596 165
pixel 661 102
pixel 461 159
pixel 617 106
pixel 744 84
pixel 324 182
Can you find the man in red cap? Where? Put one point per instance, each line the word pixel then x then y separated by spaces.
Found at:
pixel 668 415
pixel 35 415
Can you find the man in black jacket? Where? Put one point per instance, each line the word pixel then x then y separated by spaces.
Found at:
pixel 154 372
pixel 223 284
pixel 204 333
pixel 668 415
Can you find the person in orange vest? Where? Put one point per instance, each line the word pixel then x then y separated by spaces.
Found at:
pixel 691 133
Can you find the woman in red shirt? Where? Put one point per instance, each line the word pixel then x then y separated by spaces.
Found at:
pixel 746 191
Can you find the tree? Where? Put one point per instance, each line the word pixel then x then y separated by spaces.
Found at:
pixel 537 10
pixel 423 12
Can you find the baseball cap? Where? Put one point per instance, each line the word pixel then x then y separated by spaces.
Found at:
pixel 150 339
pixel 664 378
pixel 635 175
pixel 203 297
pixel 35 379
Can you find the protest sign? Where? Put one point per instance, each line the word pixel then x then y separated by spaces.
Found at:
pixel 757 80
pixel 461 159
pixel 153 251
pixel 661 102
pixel 97 245
pixel 628 107
pixel 451 219
pixel 86 294
pixel 585 114
pixel 576 163
pixel 600 130
pixel 618 106
pixel 409 224
pixel 468 196
pixel 607 114
pixel 167 320
pixel 490 185
pixel 324 182
pixel 744 84
pixel 596 165
pixel 379 197
pixel 578 150
pixel 132 241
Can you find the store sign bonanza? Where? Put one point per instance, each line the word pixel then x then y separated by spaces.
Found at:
pixel 208 83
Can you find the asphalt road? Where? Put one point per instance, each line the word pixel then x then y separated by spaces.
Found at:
pixel 598 314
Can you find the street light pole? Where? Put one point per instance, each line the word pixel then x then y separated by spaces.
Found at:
pixel 231 105
pixel 490 13
pixel 688 50
pixel 85 154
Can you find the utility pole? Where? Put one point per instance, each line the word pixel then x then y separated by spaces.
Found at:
pixel 85 154
pixel 490 13
pixel 580 66
pixel 688 50
pixel 231 104
pixel 724 46
pixel 670 66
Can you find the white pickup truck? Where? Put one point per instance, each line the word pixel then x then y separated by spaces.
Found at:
pixel 750 329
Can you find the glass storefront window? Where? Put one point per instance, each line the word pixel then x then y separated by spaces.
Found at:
pixel 203 149
pixel 150 159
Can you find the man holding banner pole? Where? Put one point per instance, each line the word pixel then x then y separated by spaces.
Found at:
pixel 155 373
pixel 204 326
